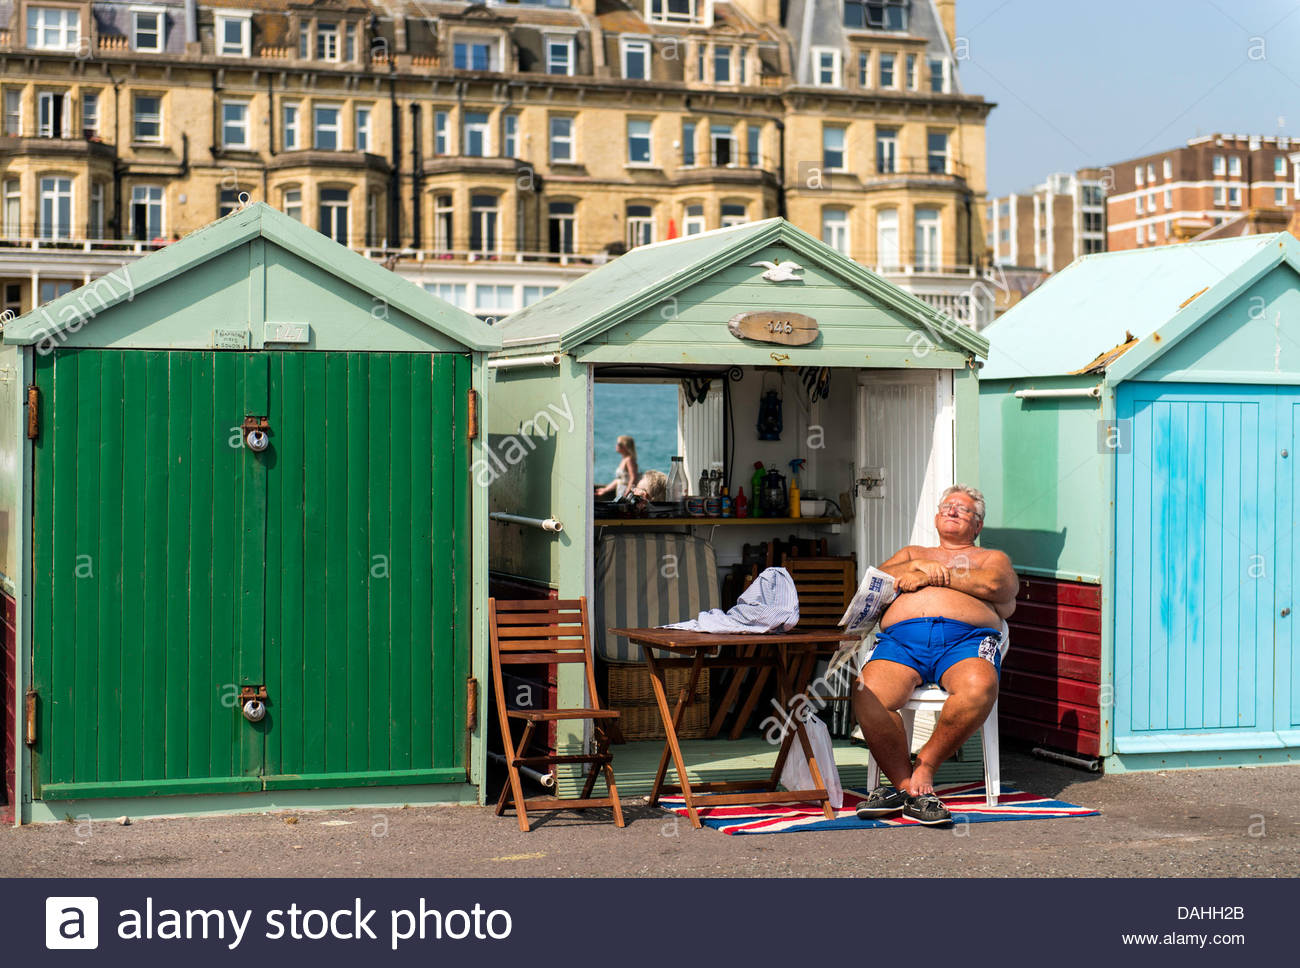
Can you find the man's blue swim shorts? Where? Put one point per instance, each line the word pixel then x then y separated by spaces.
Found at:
pixel 932 646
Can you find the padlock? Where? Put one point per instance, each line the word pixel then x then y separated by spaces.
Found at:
pixel 254 710
pixel 258 440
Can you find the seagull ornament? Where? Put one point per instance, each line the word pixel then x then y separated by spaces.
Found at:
pixel 780 271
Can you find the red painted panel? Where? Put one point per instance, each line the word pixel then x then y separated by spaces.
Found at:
pixel 8 675
pixel 1060 593
pixel 1055 640
pixel 1048 615
pixel 1060 664
pixel 1042 734
pixel 1051 711
pixel 1050 686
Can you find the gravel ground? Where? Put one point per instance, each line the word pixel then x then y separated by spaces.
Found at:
pixel 1198 823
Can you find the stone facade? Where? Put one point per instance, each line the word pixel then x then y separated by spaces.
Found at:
pixel 505 146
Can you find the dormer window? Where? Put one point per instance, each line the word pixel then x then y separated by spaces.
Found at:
pixel 147 29
pixel 476 54
pixel 559 55
pixel 722 64
pixel 53 28
pixel 826 66
pixel 327 41
pixel 876 14
pixel 675 11
pixel 233 34
pixel 636 60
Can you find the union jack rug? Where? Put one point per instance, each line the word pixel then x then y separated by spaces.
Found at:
pixel 965 800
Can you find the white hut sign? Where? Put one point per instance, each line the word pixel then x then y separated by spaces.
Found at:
pixel 774 326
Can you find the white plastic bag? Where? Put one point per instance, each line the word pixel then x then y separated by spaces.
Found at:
pixel 795 774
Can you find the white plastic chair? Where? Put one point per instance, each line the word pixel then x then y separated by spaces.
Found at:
pixel 930 697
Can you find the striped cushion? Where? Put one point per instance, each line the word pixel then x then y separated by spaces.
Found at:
pixel 649 579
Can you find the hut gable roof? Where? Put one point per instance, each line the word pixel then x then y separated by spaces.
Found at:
pixel 294 276
pixel 1117 312
pixel 651 276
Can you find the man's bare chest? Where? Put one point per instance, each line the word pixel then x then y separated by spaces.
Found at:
pixel 953 557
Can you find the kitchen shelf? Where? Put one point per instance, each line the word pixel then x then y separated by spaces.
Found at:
pixel 708 522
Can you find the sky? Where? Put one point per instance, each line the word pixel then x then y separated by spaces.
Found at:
pixel 1103 81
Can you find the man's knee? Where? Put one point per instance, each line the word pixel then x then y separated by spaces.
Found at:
pixel 976 684
pixel 888 683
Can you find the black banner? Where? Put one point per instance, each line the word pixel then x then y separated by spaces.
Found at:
pixel 646 921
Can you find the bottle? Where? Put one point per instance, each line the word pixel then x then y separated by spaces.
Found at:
pixel 726 503
pixel 796 466
pixel 742 503
pixel 704 484
pixel 756 487
pixel 676 492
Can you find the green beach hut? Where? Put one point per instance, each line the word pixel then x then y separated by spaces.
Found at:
pixel 243 551
pixel 1138 443
pixel 729 317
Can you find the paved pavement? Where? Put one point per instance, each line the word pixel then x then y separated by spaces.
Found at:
pixel 1202 823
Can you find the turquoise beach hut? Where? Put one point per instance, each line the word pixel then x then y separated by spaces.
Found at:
pixel 1139 420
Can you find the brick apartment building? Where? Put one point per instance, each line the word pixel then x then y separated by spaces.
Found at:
pixel 1217 185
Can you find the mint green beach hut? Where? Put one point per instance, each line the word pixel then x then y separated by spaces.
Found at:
pixel 243 553
pixel 898 425
pixel 1139 423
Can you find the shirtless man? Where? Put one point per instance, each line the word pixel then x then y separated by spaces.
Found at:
pixel 945 626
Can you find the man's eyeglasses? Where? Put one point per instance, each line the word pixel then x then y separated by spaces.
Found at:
pixel 958 509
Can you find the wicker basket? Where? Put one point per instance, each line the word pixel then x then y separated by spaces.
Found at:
pixel 632 695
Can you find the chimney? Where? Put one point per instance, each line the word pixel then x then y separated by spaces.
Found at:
pixel 947 10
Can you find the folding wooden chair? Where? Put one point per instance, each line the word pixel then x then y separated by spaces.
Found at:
pixel 553 632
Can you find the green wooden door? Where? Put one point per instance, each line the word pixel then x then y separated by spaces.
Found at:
pixel 367 576
pixel 173 565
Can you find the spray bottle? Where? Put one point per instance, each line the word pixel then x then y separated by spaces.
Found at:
pixel 796 466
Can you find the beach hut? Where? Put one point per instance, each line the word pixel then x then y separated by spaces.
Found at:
pixel 1138 442
pixel 877 392
pixel 245 555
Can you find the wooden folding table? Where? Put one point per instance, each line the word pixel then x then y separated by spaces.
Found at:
pixel 783 652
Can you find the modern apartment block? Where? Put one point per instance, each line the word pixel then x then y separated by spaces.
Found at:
pixel 1197 190
pixel 490 151
pixel 1051 225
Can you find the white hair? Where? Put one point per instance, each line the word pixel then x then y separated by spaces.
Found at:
pixel 970 492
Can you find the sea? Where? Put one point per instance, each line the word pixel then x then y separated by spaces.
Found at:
pixel 645 412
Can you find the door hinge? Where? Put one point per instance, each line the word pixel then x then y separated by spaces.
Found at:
pixel 472 414
pixel 30 737
pixel 33 412
pixel 471 704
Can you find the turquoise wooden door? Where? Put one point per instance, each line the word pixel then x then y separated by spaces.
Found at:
pixel 174 566
pixel 1286 705
pixel 1203 568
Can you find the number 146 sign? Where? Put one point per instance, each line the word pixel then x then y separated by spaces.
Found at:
pixel 774 326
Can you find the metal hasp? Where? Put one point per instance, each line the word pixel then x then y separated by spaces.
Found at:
pixel 252 702
pixel 257 433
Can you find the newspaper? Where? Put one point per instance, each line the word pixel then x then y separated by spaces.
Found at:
pixel 873 596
